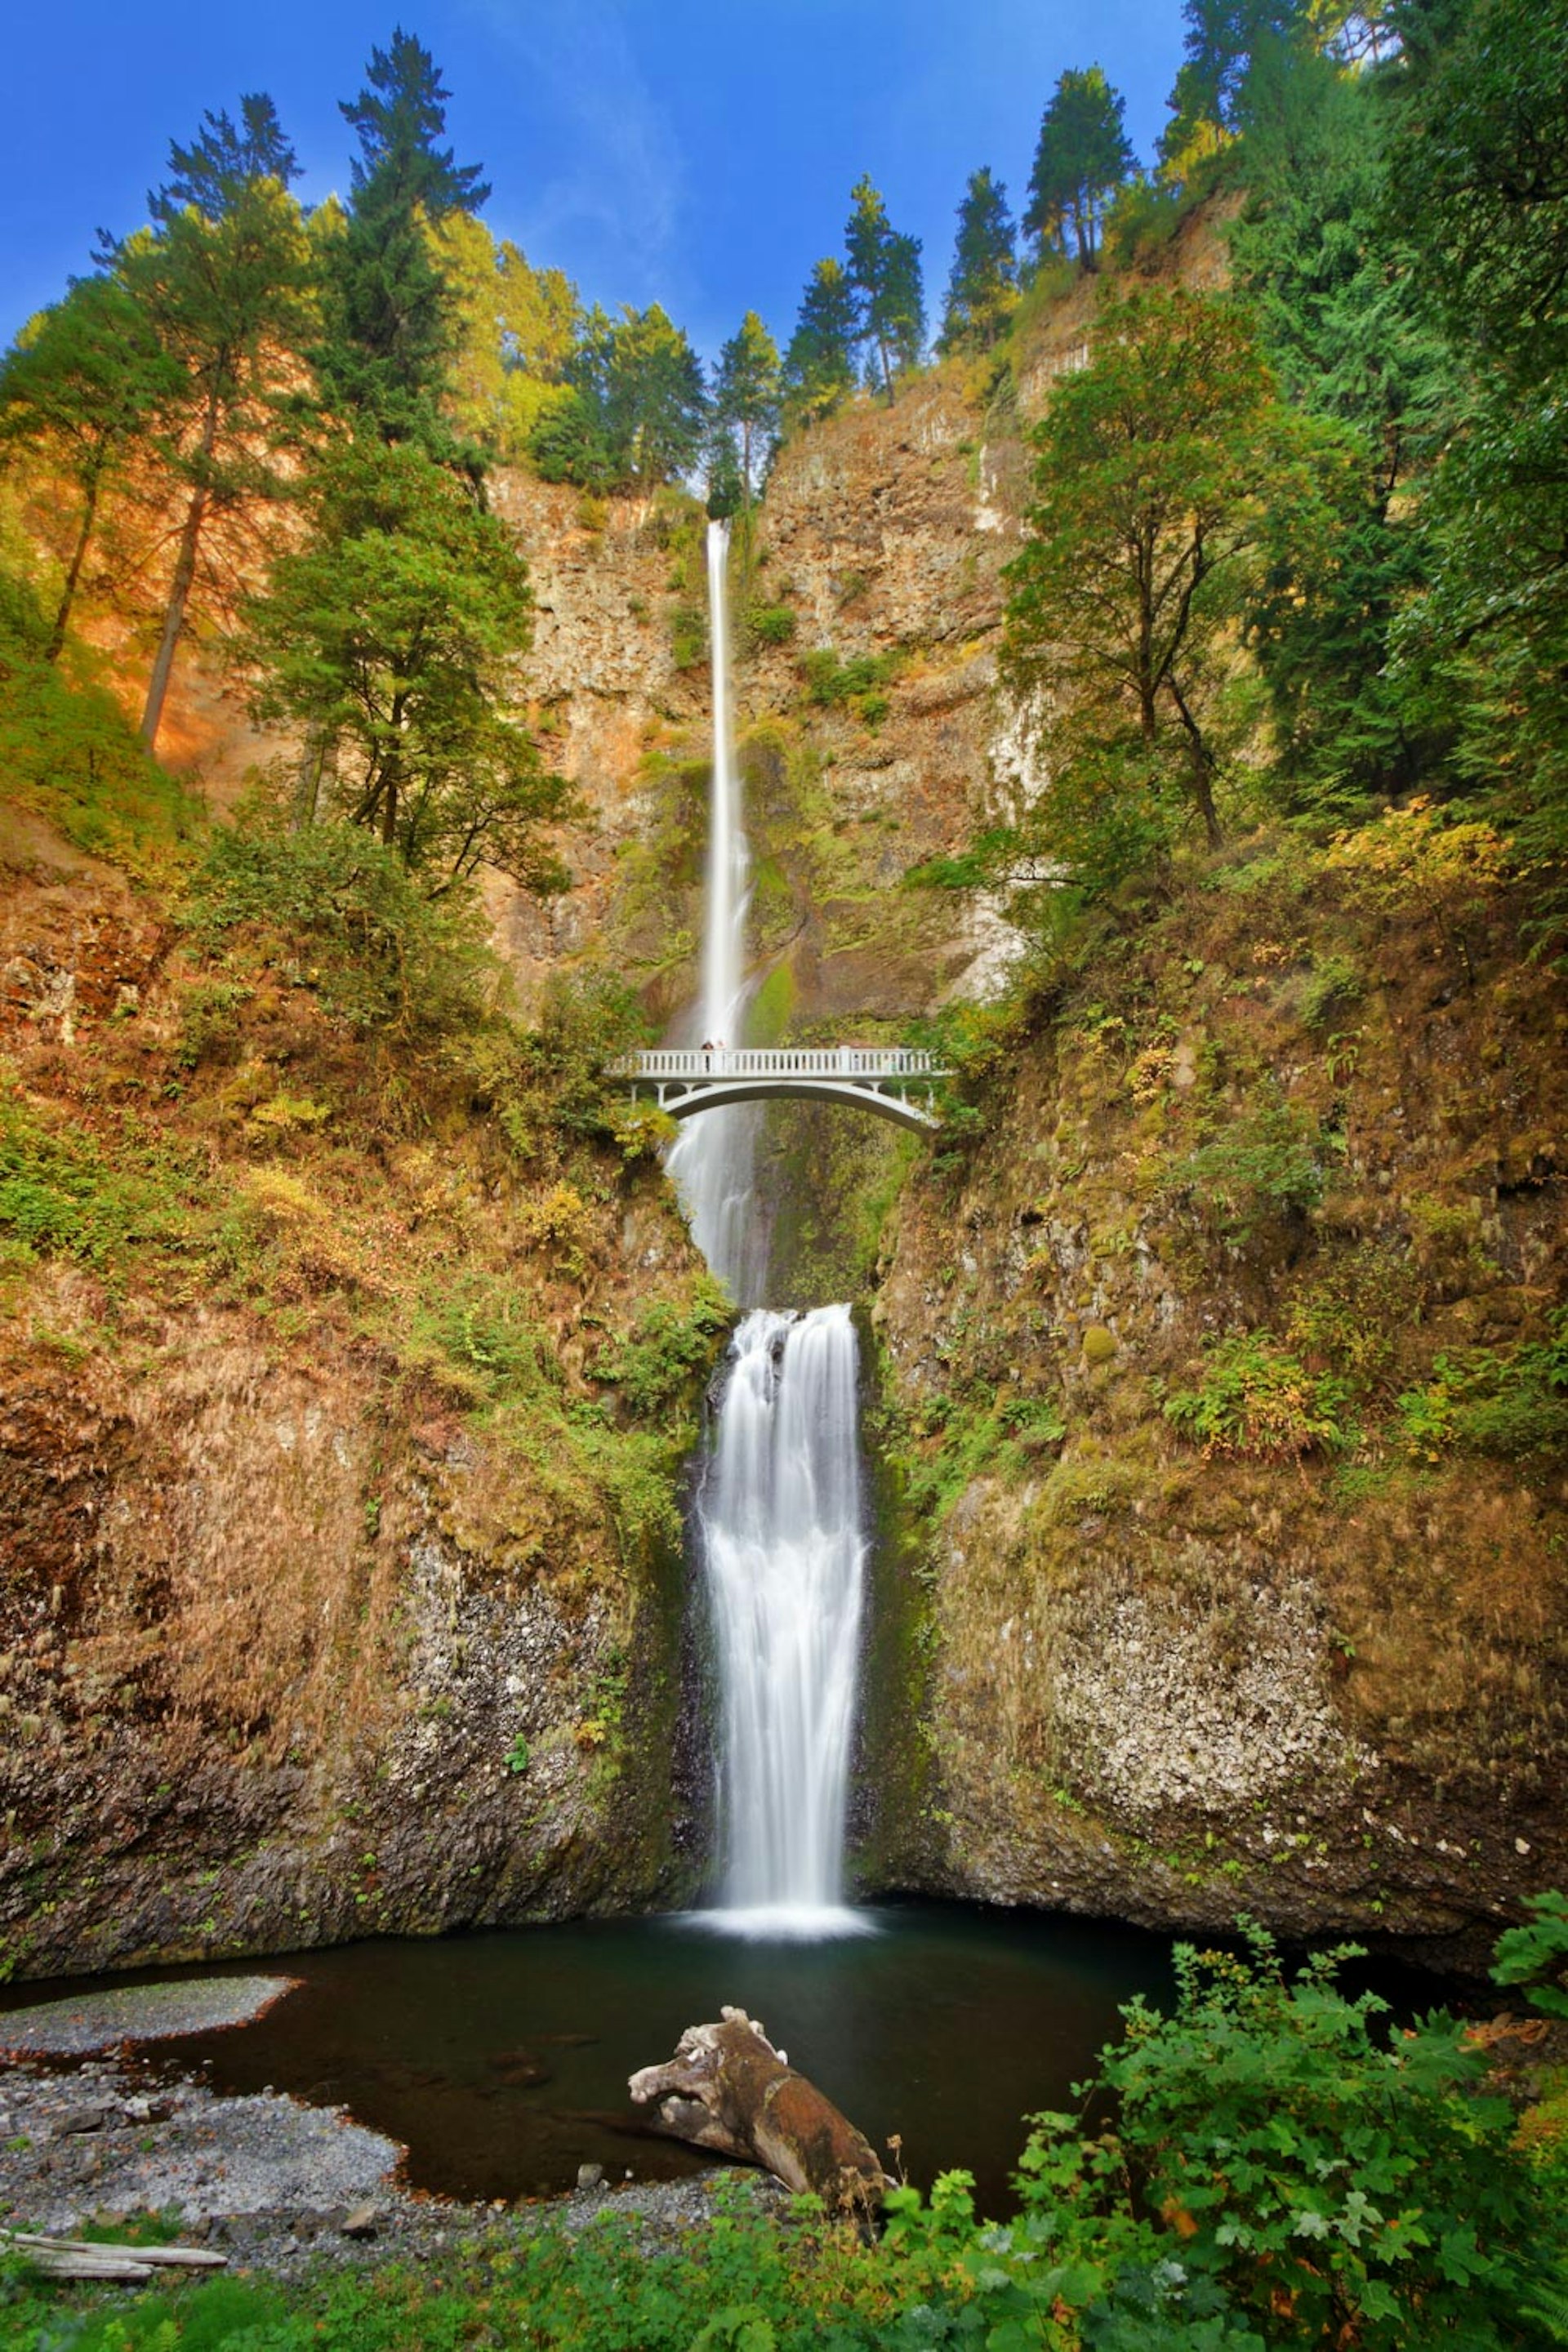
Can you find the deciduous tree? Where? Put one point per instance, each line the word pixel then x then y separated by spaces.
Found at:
pixel 1157 468
pixel 82 388
pixel 221 280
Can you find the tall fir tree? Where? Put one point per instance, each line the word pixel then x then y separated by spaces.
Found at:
pixel 984 287
pixel 747 393
pixel 884 269
pixel 390 324
pixel 1081 156
pixel 819 363
pixel 224 282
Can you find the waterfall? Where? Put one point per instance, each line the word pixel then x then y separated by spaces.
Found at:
pixel 712 1158
pixel 779 1514
pixel 784 1548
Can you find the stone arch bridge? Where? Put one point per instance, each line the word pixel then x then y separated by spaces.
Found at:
pixel 891 1082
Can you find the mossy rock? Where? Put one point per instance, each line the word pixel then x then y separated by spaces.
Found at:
pixel 1098 1344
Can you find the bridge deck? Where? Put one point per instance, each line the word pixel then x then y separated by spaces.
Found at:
pixel 689 1078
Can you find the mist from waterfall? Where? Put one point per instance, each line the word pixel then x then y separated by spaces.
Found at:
pixel 779 1513
pixel 713 1157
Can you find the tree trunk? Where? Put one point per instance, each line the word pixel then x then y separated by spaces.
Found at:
pixel 179 586
pixel 727 2088
pixel 58 634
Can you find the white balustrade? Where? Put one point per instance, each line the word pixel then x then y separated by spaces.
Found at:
pixel 697 1061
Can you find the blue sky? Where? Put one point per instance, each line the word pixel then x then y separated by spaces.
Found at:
pixel 696 152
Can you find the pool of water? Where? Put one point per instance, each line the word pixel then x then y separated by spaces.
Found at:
pixel 500 2059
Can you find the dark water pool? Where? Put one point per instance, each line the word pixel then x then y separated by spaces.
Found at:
pixel 500 2059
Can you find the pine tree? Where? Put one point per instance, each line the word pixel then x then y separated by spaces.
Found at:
pixel 984 286
pixel 390 315
pixel 656 400
pixel 747 395
pixel 884 269
pixel 819 364
pixel 84 384
pixel 225 291
pixel 1081 155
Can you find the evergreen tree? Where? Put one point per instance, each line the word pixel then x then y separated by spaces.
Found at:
pixel 984 287
pixel 819 364
pixel 388 639
pixel 656 399
pixel 83 387
pixel 1082 155
pixel 747 393
pixel 1343 312
pixel 884 269
pixel 515 330
pixel 390 315
pixel 222 161
pixel 226 293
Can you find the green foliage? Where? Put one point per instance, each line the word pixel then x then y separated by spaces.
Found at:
pixel 1082 153
pixel 1000 1438
pixel 115 1198
pixel 1508 1401
pixel 518 1758
pixel 390 323
pixel 1269 1164
pixel 1157 468
pixel 652 1365
pixel 1256 1399
pixel 67 753
pixel 747 392
pixel 770 625
pixel 982 289
pixel 883 268
pixel 387 641
pixel 345 916
pixel 819 365
pixel 1535 1956
pixel 639 409
pixel 833 683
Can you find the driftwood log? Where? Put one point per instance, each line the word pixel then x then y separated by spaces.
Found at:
pixel 727 2089
pixel 80 2258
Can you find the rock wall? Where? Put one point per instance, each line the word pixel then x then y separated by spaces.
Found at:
pixel 1317 1680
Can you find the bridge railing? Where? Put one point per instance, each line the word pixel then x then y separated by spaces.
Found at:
pixel 779 1062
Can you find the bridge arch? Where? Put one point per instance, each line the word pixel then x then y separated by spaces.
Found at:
pixel 686 1080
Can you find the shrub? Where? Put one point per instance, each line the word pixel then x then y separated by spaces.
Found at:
pixel 1492 1401
pixel 652 1364
pixel 770 625
pixel 1269 1166
pixel 831 683
pixel 342 914
pixel 1414 860
pixel 1256 1399
pixel 1281 2171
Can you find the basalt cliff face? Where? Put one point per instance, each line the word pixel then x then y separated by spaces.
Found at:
pixel 341 1589
pixel 1303 1659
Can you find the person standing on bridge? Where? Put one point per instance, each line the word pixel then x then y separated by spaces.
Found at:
pixel 708 1052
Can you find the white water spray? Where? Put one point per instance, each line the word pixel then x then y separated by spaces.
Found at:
pixel 779 1514
pixel 784 1549
pixel 712 1158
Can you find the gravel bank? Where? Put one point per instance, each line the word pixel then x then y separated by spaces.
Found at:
pixel 272 2183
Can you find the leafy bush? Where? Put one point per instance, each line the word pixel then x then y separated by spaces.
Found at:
pixel 1261 1168
pixel 1256 1399
pixel 1492 1401
pixel 67 752
pixel 1415 859
pixel 832 683
pixel 770 625
pixel 1536 1955
pixel 1280 2171
pixel 343 915
pixel 652 1364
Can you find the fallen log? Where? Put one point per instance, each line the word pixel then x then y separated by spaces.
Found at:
pixel 86 2258
pixel 727 2089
